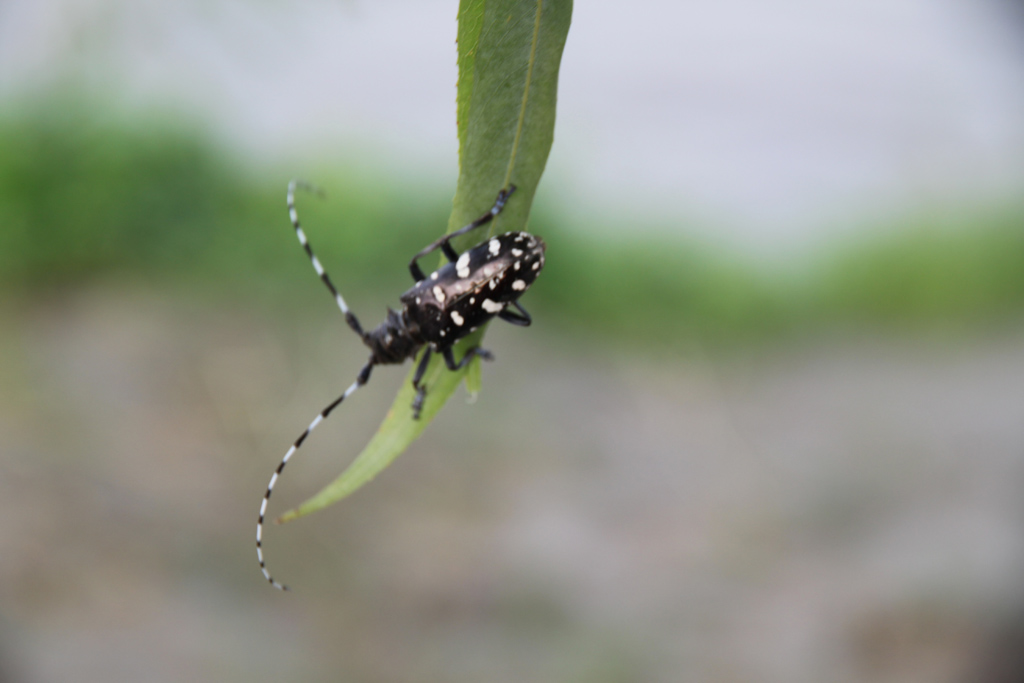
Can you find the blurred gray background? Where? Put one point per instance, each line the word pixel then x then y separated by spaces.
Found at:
pixel 768 424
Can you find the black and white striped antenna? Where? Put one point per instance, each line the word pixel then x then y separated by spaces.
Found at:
pixel 361 379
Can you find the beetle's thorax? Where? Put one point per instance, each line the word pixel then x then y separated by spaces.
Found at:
pixel 394 340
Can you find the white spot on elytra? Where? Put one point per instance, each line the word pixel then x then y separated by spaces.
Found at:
pixel 516 266
pixel 519 285
pixel 493 283
pixel 462 265
pixel 536 265
pixel 472 299
pixel 520 237
pixel 439 293
pixel 457 319
pixel 494 246
pixel 442 333
pixel 490 306
pixel 418 302
pixel 433 276
pixel 517 252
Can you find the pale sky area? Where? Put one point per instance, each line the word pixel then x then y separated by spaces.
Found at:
pixel 772 124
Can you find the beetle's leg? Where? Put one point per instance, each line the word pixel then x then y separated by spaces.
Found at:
pixel 442 243
pixel 522 320
pixel 449 251
pixel 421 390
pixel 350 318
pixel 449 361
pixel 449 358
pixel 361 379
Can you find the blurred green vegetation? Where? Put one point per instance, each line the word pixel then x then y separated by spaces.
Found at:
pixel 82 197
pixel 85 198
pixel 952 271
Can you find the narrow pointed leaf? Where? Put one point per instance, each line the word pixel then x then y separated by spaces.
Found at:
pixel 509 55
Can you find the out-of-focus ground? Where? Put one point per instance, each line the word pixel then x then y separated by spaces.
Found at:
pixel 844 510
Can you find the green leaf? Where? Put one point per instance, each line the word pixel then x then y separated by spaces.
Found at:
pixel 509 54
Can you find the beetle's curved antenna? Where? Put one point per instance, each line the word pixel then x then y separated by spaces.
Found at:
pixel 350 318
pixel 364 376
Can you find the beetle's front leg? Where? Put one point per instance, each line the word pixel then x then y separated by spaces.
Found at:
pixel 421 389
pixel 444 243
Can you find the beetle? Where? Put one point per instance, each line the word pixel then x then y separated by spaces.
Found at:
pixel 483 282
